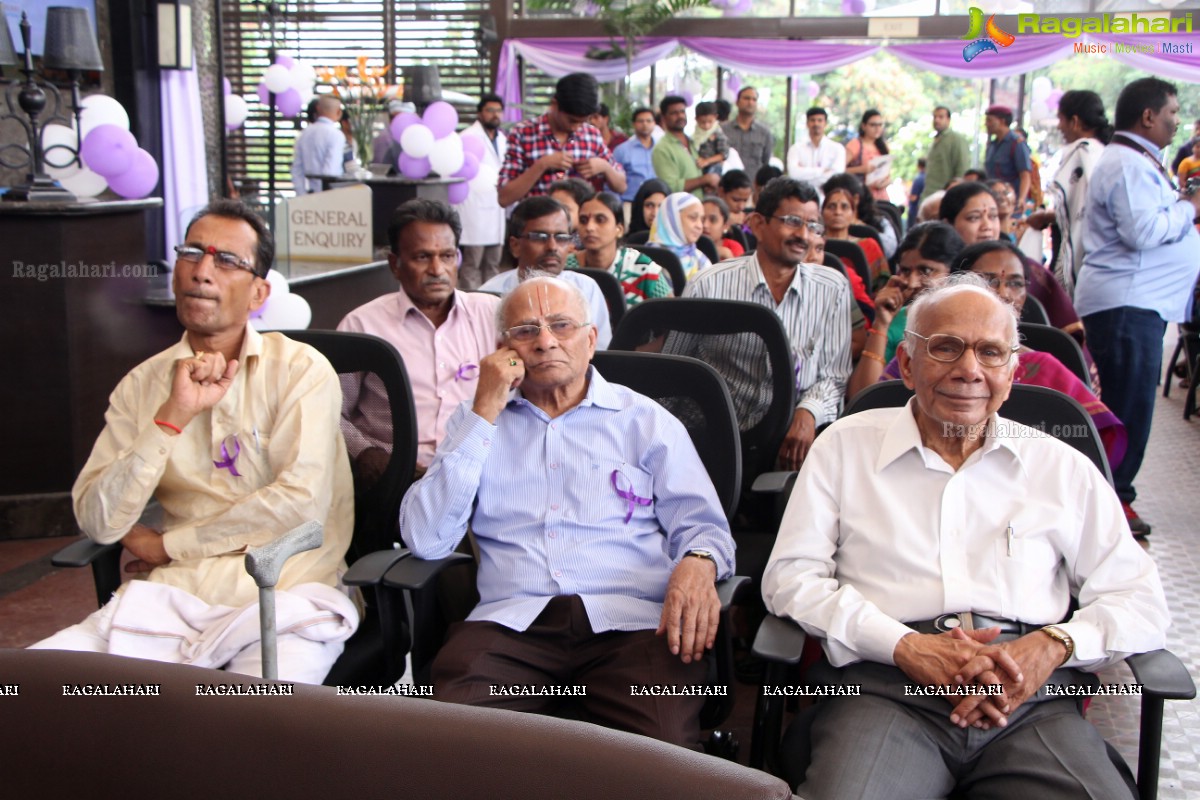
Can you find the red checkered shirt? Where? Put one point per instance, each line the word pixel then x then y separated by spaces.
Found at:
pixel 531 139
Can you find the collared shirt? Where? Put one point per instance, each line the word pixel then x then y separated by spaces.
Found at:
pixel 755 146
pixel 320 150
pixel 815 163
pixel 442 365
pixel 506 281
pixel 675 164
pixel 283 408
pixel 635 158
pixel 481 213
pixel 530 140
pixel 949 157
pixel 815 312
pixel 1141 248
pixel 543 499
pixel 1006 159
pixel 881 531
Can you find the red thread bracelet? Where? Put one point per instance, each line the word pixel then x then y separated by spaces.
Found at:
pixel 170 425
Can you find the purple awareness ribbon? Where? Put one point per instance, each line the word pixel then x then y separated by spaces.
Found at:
pixel 227 461
pixel 467 372
pixel 628 495
pixel 798 389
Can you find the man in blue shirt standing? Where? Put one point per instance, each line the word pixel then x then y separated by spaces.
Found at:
pixel 634 154
pixel 1008 157
pixel 1143 255
pixel 598 530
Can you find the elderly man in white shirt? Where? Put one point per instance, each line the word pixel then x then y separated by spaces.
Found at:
pixel 817 158
pixel 320 148
pixel 938 545
pixel 482 216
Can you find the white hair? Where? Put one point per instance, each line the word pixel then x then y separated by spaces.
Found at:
pixel 952 286
pixel 928 210
pixel 537 276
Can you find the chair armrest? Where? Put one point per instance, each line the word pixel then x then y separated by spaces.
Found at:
pixel 413 573
pixel 82 553
pixel 1162 674
pixel 773 482
pixel 730 590
pixel 779 640
pixel 370 569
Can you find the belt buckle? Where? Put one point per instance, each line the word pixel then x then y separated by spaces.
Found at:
pixel 948 622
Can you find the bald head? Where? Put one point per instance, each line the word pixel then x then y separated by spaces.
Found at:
pixel 329 106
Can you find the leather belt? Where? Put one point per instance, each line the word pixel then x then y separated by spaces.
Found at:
pixel 969 621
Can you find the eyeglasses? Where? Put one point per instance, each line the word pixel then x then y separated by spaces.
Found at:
pixel 561 328
pixel 1016 284
pixel 947 348
pixel 792 221
pixel 541 237
pixel 223 259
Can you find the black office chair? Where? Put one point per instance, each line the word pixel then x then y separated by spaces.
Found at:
pixel 696 394
pixel 851 253
pixel 668 261
pixel 1034 311
pixel 374 655
pixel 1162 675
pixel 638 237
pixel 610 287
pixel 867 232
pixel 1189 347
pixel 736 233
pixel 709 248
pixel 1058 343
pixel 894 215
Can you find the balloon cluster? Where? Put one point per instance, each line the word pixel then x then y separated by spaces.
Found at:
pixel 291 82
pixel 429 144
pixel 109 156
pixel 1044 99
pixel 236 108
pixel 283 310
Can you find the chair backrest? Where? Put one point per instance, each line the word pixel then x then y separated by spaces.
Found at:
pixel 696 394
pixel 638 237
pixel 728 334
pixel 894 215
pixel 850 251
pixel 610 287
pixel 866 232
pixel 1058 343
pixel 709 248
pixel 736 233
pixel 667 260
pixel 359 358
pixel 1047 410
pixel 1034 311
pixel 833 262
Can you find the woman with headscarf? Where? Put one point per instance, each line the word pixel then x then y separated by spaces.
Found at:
pixel 678 226
pixel 645 205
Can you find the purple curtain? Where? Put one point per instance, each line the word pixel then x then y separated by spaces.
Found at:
pixel 1181 66
pixel 184 172
pixel 945 57
pixel 777 56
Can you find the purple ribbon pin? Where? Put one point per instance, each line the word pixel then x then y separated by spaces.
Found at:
pixel 467 372
pixel 628 495
pixel 228 461
pixel 798 389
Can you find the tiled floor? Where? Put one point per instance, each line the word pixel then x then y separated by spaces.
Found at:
pixel 37 599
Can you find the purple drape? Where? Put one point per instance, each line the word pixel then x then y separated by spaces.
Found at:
pixel 777 56
pixel 184 171
pixel 945 57
pixel 1178 66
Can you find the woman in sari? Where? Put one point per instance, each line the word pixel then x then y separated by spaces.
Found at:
pixel 678 226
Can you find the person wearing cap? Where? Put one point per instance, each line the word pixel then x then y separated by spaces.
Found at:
pixel 1008 157
pixel 385 149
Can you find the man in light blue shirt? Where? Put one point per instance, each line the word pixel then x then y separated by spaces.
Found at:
pixel 1143 255
pixel 321 147
pixel 634 154
pixel 597 525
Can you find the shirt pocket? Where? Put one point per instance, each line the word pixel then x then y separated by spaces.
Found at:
pixel 1025 575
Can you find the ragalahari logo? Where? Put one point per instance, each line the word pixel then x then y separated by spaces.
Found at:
pixel 995 36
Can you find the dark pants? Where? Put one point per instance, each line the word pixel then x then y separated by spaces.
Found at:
pixel 1126 344
pixel 560 649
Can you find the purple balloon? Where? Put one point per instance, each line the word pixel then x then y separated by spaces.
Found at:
pixel 401 121
pixel 228 87
pixel 415 168
pixel 108 150
pixel 854 7
pixel 286 61
pixel 264 94
pixel 457 192
pixel 139 180
pixel 470 167
pixel 441 118
pixel 473 145
pixel 289 103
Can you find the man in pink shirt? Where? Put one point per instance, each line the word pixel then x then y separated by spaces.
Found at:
pixel 441 333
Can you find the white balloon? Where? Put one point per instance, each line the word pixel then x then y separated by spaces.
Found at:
pixel 279 285
pixel 303 76
pixel 1041 87
pixel 447 156
pixel 60 162
pixel 235 111
pixel 417 140
pixel 1040 109
pixel 100 109
pixel 278 78
pixel 84 183
pixel 290 312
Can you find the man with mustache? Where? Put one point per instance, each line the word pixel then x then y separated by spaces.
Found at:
pixel 442 334
pixel 600 534
pixel 540 238
pixel 1140 266
pixel 812 301
pixel 937 546
pixel 236 435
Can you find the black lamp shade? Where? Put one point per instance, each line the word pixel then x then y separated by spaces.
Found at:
pixel 8 53
pixel 422 86
pixel 70 40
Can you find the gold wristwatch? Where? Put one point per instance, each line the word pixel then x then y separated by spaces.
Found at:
pixel 1059 635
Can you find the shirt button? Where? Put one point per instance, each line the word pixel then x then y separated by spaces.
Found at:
pixel 553 534
pixel 552 426
pixel 553 507
pixel 558 573
pixel 441 392
pixel 442 365
pixel 554 465
pixel 487 442
pixel 162 451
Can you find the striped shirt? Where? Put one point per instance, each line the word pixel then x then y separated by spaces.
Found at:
pixel 542 497
pixel 815 312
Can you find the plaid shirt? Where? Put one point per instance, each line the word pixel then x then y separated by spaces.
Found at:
pixel 530 140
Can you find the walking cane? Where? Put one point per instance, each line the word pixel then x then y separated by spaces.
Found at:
pixel 264 565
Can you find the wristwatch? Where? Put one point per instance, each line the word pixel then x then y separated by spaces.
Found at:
pixel 703 554
pixel 1059 635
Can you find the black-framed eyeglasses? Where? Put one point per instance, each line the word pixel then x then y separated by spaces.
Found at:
pixel 223 259
pixel 792 221
pixel 948 348
pixel 541 237
pixel 560 328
